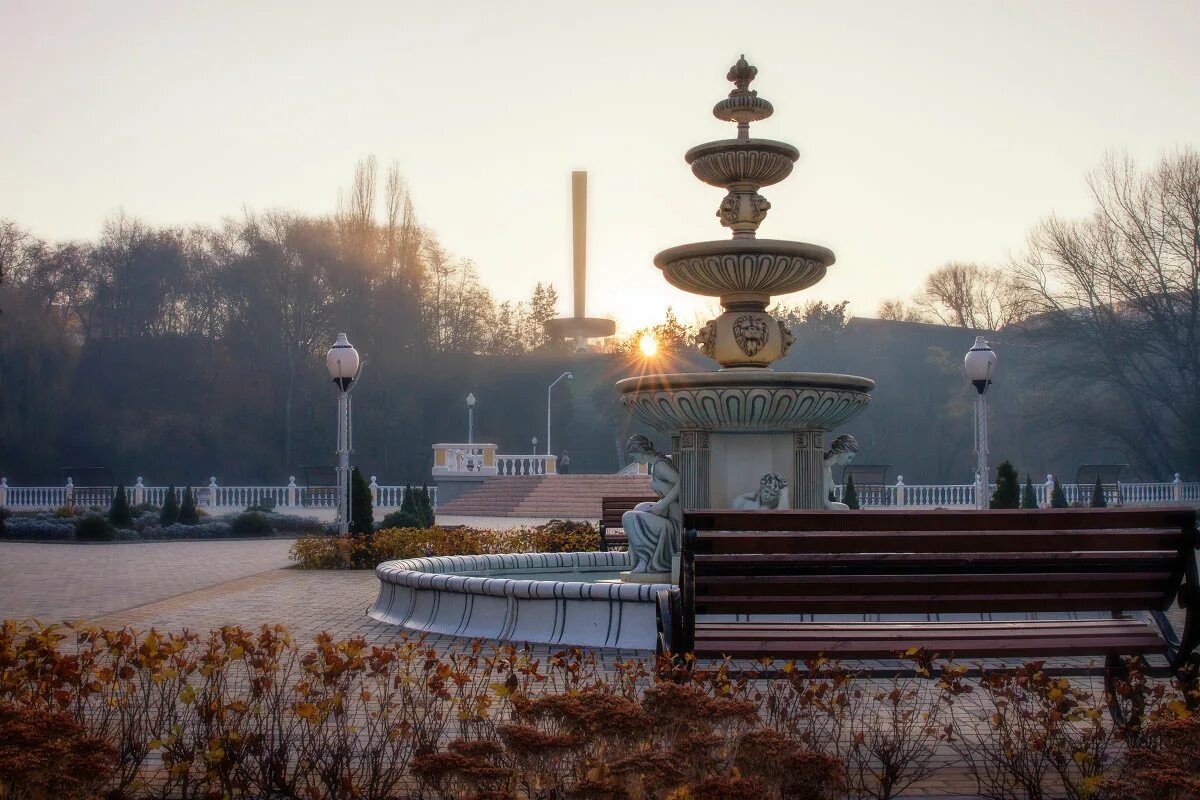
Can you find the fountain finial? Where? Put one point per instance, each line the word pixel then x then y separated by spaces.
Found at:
pixel 741 74
pixel 743 105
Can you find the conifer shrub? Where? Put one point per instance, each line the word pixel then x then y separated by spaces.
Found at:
pixel 400 519
pixel 850 494
pixel 94 527
pixel 169 514
pixel 1008 487
pixel 119 513
pixel 1058 498
pixel 1028 495
pixel 188 513
pixel 425 506
pixel 1098 500
pixel 250 523
pixel 362 516
pixel 409 501
pixel 4 514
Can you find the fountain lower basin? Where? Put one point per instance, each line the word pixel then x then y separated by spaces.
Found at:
pixel 550 598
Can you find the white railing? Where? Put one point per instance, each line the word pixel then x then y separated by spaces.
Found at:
pixel 525 465
pixel 213 496
pixel 963 495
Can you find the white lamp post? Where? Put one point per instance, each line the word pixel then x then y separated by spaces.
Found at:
pixel 569 377
pixel 471 418
pixel 344 367
pixel 980 364
pixel 535 445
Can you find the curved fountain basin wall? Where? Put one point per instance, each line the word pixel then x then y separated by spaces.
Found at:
pixel 502 597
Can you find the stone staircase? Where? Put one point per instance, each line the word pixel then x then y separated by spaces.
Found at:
pixel 574 496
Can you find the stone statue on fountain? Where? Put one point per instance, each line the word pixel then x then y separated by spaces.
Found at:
pixel 653 529
pixel 771 495
pixel 841 451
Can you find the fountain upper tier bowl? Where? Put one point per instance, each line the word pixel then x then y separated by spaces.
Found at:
pixel 744 270
pixel 742 163
pixel 751 399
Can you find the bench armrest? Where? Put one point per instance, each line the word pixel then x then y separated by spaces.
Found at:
pixel 670 618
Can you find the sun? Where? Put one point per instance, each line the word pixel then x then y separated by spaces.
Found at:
pixel 648 345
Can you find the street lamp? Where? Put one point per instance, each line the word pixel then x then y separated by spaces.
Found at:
pixel 344 367
pixel 569 377
pixel 980 363
pixel 535 445
pixel 471 418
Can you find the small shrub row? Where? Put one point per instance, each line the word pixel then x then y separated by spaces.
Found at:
pixel 92 526
pixel 365 552
pixel 253 714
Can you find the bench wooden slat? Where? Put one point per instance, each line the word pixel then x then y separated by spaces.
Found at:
pixel 942 519
pixel 957 541
pixel 924 584
pixel 762 565
pixel 917 603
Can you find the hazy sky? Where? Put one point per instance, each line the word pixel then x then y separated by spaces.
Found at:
pixel 928 131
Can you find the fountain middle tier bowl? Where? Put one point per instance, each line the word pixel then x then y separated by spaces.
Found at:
pixel 745 400
pixel 744 269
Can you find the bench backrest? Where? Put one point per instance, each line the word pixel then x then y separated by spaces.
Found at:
pixel 787 562
pixel 613 507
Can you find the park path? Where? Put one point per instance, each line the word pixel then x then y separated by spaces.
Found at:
pixel 57 581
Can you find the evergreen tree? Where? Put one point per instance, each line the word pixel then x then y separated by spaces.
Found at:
pixel 119 513
pixel 1098 500
pixel 409 503
pixel 188 513
pixel 1058 498
pixel 1008 487
pixel 425 507
pixel 850 494
pixel 1028 495
pixel 362 517
pixel 170 508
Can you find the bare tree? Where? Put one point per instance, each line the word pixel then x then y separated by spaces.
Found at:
pixel 971 296
pixel 897 310
pixel 1116 298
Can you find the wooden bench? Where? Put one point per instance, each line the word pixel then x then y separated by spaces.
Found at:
pixel 1130 564
pixel 612 534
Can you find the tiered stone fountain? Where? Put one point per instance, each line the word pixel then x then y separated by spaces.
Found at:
pixel 730 427
pixel 728 430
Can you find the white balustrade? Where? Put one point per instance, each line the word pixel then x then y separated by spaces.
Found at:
pixel 525 464
pixel 221 498
pixel 227 499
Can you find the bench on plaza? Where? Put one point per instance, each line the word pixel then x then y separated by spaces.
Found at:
pixel 1130 564
pixel 612 534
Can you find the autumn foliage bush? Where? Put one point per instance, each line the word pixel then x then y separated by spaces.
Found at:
pixel 364 552
pixel 254 714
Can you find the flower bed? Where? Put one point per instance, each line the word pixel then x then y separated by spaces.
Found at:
pixel 244 714
pixel 365 552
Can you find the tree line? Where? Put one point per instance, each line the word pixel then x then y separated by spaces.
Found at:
pixel 165 349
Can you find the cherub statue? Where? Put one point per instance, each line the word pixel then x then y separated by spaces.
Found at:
pixel 653 528
pixel 841 451
pixel 771 495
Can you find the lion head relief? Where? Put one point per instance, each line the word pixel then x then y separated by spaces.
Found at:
pixel 750 331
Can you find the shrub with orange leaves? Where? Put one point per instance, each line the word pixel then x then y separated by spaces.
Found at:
pixel 47 755
pixel 365 552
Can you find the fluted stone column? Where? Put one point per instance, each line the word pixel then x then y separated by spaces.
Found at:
pixel 694 471
pixel 809 486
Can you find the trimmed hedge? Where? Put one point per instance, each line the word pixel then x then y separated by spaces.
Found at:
pixel 364 552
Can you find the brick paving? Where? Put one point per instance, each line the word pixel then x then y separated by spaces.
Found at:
pixel 203 585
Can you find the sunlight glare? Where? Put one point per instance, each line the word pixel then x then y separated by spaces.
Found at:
pixel 648 345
